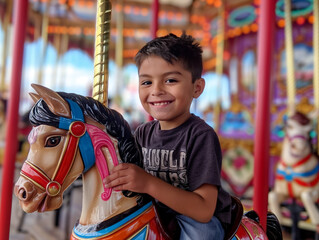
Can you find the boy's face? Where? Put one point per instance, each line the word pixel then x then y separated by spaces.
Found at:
pixel 166 91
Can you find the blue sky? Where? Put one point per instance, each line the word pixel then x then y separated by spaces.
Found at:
pixel 73 72
pixel 70 72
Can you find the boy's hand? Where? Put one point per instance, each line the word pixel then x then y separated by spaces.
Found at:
pixel 127 176
pixel 199 204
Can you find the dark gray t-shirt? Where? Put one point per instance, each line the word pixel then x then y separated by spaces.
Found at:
pixel 186 157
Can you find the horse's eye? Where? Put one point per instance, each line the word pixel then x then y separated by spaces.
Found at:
pixel 53 141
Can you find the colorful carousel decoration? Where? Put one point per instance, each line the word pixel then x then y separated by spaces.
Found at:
pixel 83 136
pixel 228 32
pixel 232 37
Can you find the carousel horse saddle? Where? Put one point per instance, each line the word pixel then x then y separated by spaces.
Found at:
pixel 237 211
pixel 170 225
pixel 237 216
pixel 167 222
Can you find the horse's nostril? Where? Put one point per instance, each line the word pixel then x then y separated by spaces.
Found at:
pixel 22 194
pixel 24 190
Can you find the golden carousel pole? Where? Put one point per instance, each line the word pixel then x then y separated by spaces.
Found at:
pixel 57 46
pixel 291 91
pixel 44 34
pixel 101 52
pixel 219 61
pixel 119 47
pixel 62 44
pixel 6 23
pixel 316 61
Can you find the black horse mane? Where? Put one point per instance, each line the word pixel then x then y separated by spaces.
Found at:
pixel 116 125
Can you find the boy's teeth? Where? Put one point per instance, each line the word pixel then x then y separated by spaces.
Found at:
pixel 161 103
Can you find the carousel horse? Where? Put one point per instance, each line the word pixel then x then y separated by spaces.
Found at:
pixel 74 135
pixel 297 175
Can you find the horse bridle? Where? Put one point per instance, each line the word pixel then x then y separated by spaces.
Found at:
pixel 290 176
pixel 77 136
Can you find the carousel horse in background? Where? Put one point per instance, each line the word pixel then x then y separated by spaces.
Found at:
pixel 297 175
pixel 74 135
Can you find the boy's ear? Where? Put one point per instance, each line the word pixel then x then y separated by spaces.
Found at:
pixel 199 86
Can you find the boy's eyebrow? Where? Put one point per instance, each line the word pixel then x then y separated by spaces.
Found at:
pixel 144 75
pixel 172 72
pixel 164 74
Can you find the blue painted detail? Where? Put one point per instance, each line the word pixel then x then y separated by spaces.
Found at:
pixel 65 123
pixel 87 151
pixel 115 226
pixel 289 174
pixel 298 8
pixel 141 235
pixel 242 16
pixel 76 111
pixel 85 143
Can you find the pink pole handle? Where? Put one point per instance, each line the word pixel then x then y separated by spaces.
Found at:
pixel 99 140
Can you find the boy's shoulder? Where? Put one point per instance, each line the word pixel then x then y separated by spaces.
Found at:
pixel 198 124
pixel 196 120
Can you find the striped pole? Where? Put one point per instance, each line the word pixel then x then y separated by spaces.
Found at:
pixel 101 52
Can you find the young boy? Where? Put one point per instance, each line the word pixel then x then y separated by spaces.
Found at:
pixel 181 153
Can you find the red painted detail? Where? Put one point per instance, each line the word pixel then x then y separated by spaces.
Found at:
pixel 67 160
pixel 77 129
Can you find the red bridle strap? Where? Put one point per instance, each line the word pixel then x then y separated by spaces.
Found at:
pixel 38 177
pixel 35 175
pixel 299 163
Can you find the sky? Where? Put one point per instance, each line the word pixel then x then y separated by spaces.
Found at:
pixel 70 72
pixel 73 72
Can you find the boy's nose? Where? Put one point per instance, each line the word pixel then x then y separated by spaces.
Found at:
pixel 157 90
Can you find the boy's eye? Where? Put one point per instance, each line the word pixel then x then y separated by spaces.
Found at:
pixel 146 83
pixel 53 141
pixel 171 80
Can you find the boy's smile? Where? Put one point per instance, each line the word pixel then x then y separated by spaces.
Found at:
pixel 160 103
pixel 166 91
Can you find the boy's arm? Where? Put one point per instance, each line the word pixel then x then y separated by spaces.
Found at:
pixel 199 204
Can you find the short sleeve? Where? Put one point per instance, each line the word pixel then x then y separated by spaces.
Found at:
pixel 204 160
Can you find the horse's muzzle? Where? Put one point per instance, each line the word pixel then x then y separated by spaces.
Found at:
pixel 24 191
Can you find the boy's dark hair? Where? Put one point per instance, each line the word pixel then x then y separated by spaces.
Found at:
pixel 171 48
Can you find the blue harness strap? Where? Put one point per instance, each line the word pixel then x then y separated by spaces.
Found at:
pixel 85 143
pixel 289 174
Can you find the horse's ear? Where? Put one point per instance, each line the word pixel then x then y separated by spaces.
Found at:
pixel 54 101
pixel 35 97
